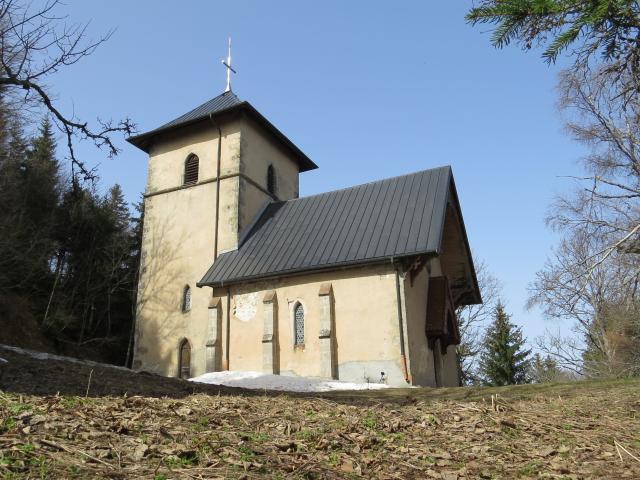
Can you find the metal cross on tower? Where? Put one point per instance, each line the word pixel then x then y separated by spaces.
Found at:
pixel 227 63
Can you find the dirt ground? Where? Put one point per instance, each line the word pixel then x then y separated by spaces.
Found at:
pixel 132 425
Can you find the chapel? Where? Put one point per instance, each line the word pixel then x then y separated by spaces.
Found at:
pixel 239 272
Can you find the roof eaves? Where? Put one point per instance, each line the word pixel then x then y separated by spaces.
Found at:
pixel 305 162
pixel 454 194
pixel 307 269
pixel 140 140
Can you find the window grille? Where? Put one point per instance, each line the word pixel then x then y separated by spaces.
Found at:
pixel 298 314
pixel 271 180
pixel 186 299
pixel 191 170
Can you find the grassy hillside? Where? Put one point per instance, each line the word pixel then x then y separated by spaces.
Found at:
pixel 582 430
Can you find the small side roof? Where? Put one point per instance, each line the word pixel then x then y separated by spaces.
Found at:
pixel 222 104
pixel 375 222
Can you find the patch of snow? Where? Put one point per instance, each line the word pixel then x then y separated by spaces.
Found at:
pixel 264 381
pixel 49 356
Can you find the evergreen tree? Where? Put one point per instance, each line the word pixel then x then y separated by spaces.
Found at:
pixel 29 184
pixel 504 360
pixel 118 278
pixel 68 255
pixel 597 32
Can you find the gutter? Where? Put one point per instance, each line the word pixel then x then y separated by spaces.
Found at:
pixel 308 269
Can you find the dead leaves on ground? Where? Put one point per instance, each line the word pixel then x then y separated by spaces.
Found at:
pixel 291 437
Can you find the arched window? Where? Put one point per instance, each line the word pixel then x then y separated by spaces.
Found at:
pixel 186 299
pixel 271 180
pixel 184 359
pixel 298 323
pixel 191 170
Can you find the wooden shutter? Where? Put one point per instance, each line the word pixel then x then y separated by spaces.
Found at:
pixel 441 316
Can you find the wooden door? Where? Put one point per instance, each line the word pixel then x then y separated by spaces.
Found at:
pixel 185 360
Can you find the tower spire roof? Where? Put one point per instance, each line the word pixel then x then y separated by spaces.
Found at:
pixel 224 104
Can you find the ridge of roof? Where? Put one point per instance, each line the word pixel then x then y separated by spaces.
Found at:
pixel 366 184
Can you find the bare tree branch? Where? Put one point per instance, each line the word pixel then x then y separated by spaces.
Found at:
pixel 471 321
pixel 35 44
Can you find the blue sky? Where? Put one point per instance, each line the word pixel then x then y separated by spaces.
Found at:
pixel 367 89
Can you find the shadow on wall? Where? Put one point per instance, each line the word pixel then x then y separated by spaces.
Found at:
pixel 158 311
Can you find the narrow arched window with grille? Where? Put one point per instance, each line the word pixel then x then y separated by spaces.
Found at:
pixel 271 180
pixel 186 299
pixel 298 318
pixel 191 165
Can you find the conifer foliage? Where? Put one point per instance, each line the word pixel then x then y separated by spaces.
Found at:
pixel 504 359
pixel 69 254
pixel 595 31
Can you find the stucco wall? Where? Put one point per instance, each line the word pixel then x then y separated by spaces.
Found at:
pixel 420 355
pixel 450 368
pixel 178 248
pixel 366 324
pixel 172 258
pixel 179 229
pixel 178 241
pixel 166 158
pixel 258 152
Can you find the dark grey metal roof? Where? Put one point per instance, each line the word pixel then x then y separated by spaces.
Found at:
pixel 392 218
pixel 216 106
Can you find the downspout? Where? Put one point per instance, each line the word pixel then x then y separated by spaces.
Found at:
pixel 403 353
pixel 228 336
pixel 217 218
pixel 216 233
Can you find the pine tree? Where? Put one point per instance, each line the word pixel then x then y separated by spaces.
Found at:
pixel 504 360
pixel 29 184
pixel 42 179
pixel 118 278
pixel 604 27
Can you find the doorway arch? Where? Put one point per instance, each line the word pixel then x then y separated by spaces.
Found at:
pixel 184 359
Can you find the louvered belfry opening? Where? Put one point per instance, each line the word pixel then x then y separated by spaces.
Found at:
pixel 271 180
pixel 191 170
pixel 298 314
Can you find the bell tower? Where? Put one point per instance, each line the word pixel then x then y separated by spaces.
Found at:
pixel 211 172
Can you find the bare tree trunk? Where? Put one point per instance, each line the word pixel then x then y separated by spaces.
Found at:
pixel 129 358
pixel 108 334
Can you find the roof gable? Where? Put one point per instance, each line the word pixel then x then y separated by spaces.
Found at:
pixel 392 218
